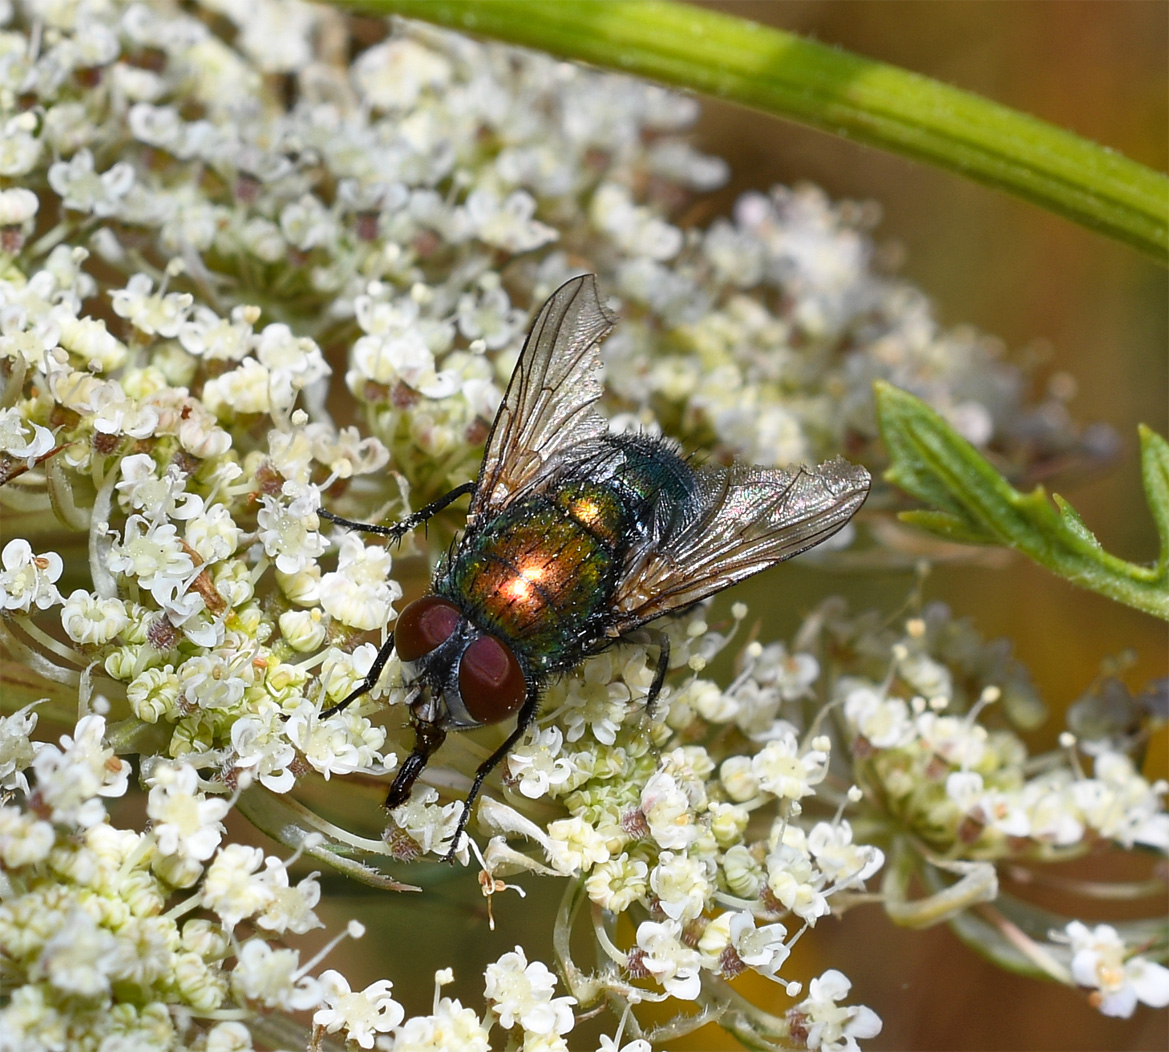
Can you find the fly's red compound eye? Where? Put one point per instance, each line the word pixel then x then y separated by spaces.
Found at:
pixel 490 681
pixel 423 625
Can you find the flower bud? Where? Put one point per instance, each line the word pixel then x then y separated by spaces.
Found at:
pixel 302 629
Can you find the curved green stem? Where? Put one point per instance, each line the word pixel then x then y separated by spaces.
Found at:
pixel 874 103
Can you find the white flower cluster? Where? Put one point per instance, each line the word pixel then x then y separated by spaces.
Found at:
pixel 705 852
pixel 28 580
pixel 404 205
pixel 1118 976
pixel 93 955
pixel 519 999
pixel 819 1022
pixel 669 833
pixel 954 780
pixel 186 259
pixel 98 952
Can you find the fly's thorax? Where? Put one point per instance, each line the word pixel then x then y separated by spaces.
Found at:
pixel 536 576
pixel 654 484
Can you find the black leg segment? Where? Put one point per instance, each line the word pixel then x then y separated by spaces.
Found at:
pixel 655 688
pixel 525 719
pixel 367 684
pixel 428 736
pixel 400 529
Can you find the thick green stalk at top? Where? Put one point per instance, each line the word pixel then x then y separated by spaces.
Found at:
pixel 833 90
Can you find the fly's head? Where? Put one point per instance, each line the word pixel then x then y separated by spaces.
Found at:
pixel 474 678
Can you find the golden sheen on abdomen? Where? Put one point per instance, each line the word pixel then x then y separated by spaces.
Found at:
pixel 539 573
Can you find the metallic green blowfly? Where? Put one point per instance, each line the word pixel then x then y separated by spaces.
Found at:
pixel 576 538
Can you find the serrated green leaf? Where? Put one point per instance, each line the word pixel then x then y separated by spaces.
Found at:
pixel 899 413
pixel 1071 519
pixel 972 503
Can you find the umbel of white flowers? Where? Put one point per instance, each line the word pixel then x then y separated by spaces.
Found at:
pixel 180 245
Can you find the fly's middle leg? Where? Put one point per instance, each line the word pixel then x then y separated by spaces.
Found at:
pixel 399 529
pixel 663 666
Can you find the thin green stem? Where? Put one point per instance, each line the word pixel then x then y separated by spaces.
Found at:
pixel 849 95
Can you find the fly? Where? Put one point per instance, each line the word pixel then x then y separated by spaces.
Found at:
pixel 576 537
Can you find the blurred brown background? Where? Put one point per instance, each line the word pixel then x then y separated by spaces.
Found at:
pixel 1100 69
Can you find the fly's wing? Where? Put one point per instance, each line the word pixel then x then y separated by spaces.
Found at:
pixel 749 519
pixel 548 407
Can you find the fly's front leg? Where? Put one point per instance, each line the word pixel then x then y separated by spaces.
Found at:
pixel 396 532
pixel 367 684
pixel 523 722
pixel 428 736
pixel 400 529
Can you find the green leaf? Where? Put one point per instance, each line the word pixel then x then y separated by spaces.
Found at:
pixel 1071 519
pixel 973 503
pixel 830 89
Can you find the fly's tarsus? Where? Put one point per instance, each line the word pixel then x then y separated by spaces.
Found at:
pixel 367 684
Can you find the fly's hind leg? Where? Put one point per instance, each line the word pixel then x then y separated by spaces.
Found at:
pixel 653 637
pixel 400 529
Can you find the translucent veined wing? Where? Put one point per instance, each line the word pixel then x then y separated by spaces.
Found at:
pixel 750 518
pixel 548 406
